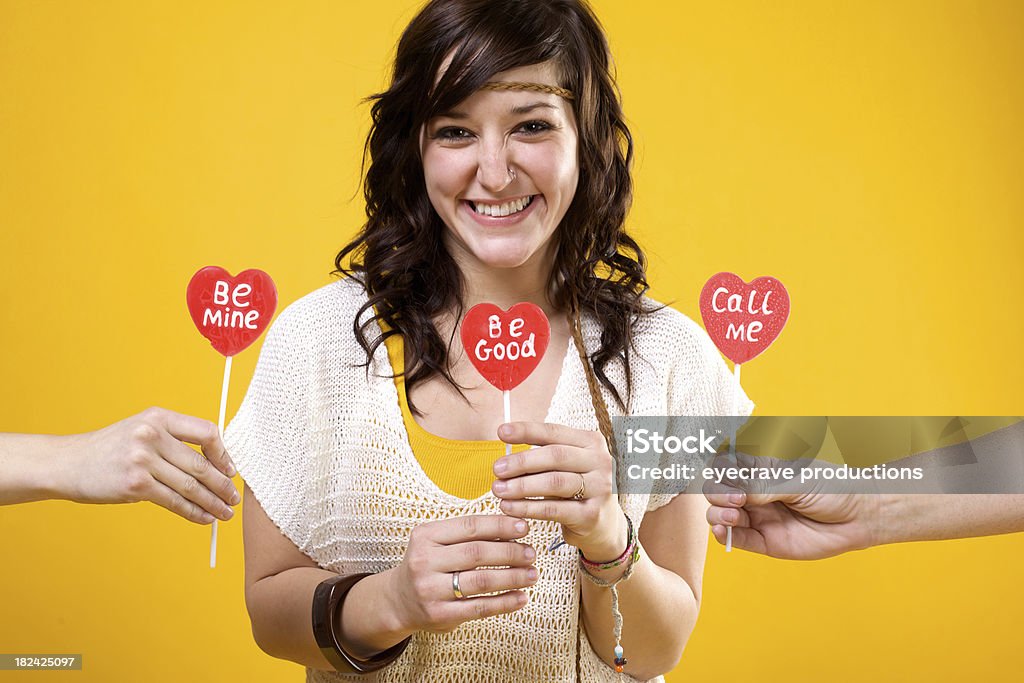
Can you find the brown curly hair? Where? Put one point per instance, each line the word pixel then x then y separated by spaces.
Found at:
pixel 399 256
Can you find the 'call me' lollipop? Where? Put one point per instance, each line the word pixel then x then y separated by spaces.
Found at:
pixel 742 320
pixel 231 312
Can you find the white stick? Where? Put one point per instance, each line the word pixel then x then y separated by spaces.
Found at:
pixel 220 426
pixel 507 395
pixel 732 452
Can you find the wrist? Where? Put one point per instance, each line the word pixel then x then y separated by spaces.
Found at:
pixel 611 544
pixel 63 471
pixel 885 519
pixel 371 621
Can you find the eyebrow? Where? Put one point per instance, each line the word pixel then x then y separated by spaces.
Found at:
pixel 517 111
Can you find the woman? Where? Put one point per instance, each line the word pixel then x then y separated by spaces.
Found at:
pixel 499 172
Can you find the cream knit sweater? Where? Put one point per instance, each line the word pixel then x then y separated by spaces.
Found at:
pixel 325 452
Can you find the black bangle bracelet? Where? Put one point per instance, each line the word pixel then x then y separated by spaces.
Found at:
pixel 327 602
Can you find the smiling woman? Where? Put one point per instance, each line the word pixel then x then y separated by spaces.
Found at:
pixel 384 530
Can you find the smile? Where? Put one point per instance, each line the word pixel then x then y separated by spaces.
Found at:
pixel 501 210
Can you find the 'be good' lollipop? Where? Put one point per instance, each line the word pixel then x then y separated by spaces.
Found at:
pixel 742 320
pixel 231 312
pixel 505 346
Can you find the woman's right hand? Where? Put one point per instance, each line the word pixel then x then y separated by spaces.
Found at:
pixel 423 585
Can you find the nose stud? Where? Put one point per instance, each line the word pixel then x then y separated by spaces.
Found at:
pixel 511 175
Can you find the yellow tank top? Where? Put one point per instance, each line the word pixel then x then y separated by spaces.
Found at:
pixel 460 468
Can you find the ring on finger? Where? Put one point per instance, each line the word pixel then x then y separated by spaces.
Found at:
pixel 582 490
pixel 459 595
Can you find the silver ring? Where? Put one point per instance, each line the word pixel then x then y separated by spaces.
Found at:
pixel 455 587
pixel 583 488
pixel 511 174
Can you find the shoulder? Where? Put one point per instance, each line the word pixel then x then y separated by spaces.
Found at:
pixel 664 333
pixel 317 315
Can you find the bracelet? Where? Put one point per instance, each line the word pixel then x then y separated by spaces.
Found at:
pixel 327 602
pixel 632 551
pixel 632 554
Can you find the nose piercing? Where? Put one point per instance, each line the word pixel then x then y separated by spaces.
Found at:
pixel 511 175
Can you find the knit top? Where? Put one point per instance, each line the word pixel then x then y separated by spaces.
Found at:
pixel 323 447
pixel 462 468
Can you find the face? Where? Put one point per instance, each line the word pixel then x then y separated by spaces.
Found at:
pixel 496 218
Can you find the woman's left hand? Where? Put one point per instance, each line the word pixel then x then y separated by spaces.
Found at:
pixel 568 462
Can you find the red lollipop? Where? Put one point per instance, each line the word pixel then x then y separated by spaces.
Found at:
pixel 743 319
pixel 505 346
pixel 231 312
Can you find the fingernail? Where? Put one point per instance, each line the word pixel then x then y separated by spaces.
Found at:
pixel 235 498
pixel 228 513
pixel 500 466
pixel 736 498
pixel 521 527
pixel 232 470
pixel 505 430
pixel 500 486
pixel 530 552
pixel 206 518
pixel 532 573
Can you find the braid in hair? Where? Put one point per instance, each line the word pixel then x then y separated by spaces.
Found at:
pixel 604 422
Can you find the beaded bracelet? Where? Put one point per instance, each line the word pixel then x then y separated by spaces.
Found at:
pixel 632 554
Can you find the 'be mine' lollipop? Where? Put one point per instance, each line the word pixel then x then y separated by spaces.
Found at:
pixel 231 312
pixel 742 320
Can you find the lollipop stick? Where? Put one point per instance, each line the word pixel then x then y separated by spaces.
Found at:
pixel 507 395
pixel 220 427
pixel 732 452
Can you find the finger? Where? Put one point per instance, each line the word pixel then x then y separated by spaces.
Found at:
pixel 474 554
pixel 546 459
pixel 734 517
pixel 459 611
pixel 170 499
pixel 723 496
pixel 568 512
pixel 484 581
pixel 742 538
pixel 476 527
pixel 557 484
pixel 194 464
pixel 547 433
pixel 190 488
pixel 203 433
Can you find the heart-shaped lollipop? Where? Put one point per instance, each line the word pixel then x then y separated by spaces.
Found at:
pixel 505 346
pixel 229 311
pixel 743 319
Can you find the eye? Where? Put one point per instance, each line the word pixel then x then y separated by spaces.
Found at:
pixel 452 134
pixel 535 127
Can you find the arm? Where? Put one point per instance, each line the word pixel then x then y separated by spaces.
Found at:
pixel 383 609
pixel 813 525
pixel 659 601
pixel 139 458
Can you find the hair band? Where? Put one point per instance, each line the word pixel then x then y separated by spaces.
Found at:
pixel 536 87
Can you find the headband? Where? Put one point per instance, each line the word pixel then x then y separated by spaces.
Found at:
pixel 536 87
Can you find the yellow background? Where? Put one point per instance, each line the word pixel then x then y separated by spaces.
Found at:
pixel 868 154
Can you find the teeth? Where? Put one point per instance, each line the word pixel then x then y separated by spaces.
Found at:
pixel 506 209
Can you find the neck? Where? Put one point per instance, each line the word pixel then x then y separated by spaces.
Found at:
pixel 505 287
